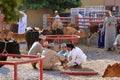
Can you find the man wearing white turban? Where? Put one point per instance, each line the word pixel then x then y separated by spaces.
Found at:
pixel 22 24
pixel 110 30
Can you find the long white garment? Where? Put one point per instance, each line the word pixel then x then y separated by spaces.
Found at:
pixel 57 18
pixel 117 41
pixel 110 31
pixel 80 21
pixel 77 56
pixel 22 24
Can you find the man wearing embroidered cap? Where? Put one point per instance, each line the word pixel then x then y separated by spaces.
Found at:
pixel 57 17
pixel 37 47
pixel 42 37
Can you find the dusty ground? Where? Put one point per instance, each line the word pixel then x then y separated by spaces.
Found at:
pixel 97 60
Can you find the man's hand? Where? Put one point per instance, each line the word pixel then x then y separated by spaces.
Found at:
pixel 117 44
pixel 65 66
pixel 102 32
pixel 65 62
pixel 109 23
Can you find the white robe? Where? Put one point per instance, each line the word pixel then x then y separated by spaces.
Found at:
pixel 22 24
pixel 76 56
pixel 117 42
pixel 80 16
pixel 110 31
pixel 57 18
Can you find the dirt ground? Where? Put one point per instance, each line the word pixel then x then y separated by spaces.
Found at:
pixel 97 60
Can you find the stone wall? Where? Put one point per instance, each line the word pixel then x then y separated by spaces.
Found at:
pixel 35 17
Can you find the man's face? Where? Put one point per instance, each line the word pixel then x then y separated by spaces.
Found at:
pixel 68 48
pixel 108 14
pixel 42 41
pixel 64 48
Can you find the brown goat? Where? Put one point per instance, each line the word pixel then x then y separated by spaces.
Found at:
pixel 17 37
pixel 112 70
pixel 73 31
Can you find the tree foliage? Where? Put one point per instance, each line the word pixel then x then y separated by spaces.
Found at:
pixel 59 5
pixel 10 9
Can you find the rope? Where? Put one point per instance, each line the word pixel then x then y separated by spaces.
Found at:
pixel 4 50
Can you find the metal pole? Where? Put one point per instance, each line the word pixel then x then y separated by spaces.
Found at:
pixel 15 72
pixel 41 68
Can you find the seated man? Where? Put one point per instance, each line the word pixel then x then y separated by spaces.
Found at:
pixel 36 48
pixel 51 56
pixel 76 57
pixel 117 43
pixel 63 52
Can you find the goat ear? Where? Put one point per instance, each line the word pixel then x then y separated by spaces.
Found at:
pixel 109 66
pixel 115 64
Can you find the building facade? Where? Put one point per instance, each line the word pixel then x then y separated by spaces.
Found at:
pixel 35 17
pixel 109 4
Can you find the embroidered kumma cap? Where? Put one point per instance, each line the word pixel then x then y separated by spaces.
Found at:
pixel 42 37
pixel 63 45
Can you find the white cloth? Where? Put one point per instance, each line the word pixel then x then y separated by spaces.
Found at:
pixel 77 56
pixel 117 42
pixel 22 24
pixel 57 18
pixel 80 16
pixel 36 48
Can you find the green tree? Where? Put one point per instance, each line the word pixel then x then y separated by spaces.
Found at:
pixel 10 9
pixel 59 5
